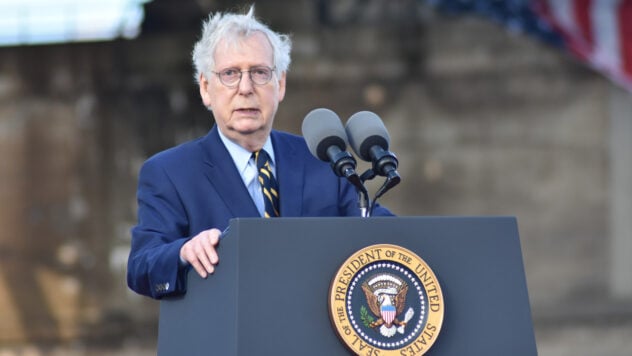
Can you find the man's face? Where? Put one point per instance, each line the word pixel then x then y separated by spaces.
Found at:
pixel 246 110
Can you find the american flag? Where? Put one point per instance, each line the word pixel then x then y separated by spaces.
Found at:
pixel 598 32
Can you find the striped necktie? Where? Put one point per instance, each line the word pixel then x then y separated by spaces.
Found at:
pixel 269 185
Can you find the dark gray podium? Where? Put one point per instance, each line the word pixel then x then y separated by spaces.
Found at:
pixel 269 293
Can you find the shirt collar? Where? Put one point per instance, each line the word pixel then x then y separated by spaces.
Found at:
pixel 241 156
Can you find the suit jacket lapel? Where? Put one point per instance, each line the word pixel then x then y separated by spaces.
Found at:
pixel 220 170
pixel 290 170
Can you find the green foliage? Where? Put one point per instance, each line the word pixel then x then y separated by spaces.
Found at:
pixel 366 318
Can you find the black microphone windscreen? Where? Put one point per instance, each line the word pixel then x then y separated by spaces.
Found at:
pixel 322 129
pixel 365 130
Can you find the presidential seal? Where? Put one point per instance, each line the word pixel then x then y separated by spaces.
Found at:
pixel 385 300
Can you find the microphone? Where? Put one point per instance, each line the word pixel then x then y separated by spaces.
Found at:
pixel 327 141
pixel 370 140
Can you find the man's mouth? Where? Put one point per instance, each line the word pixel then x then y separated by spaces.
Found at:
pixel 247 110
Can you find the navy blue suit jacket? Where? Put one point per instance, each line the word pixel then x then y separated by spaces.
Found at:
pixel 196 186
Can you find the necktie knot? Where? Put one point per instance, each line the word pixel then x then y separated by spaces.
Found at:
pixel 269 185
pixel 262 159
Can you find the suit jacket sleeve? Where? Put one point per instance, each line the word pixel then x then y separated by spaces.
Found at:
pixel 154 267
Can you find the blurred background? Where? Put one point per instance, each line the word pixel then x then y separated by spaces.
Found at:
pixel 520 108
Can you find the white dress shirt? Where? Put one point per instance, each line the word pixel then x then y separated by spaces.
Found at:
pixel 247 168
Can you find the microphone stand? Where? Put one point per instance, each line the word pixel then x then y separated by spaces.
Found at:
pixel 343 164
pixel 369 174
pixel 392 179
pixel 364 202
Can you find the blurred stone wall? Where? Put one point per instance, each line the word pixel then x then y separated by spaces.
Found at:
pixel 484 123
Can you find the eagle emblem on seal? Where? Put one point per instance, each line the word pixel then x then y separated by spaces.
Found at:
pixel 386 296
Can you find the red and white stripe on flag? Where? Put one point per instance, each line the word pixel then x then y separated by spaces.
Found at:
pixel 597 31
pixel 388 313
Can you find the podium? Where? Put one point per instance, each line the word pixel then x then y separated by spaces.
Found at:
pixel 269 294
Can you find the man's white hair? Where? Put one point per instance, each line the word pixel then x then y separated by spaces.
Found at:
pixel 232 28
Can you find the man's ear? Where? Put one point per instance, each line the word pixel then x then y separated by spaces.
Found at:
pixel 204 91
pixel 282 86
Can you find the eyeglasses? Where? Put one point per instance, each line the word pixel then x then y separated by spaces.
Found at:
pixel 231 77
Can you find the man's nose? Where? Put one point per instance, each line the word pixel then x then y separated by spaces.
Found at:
pixel 245 84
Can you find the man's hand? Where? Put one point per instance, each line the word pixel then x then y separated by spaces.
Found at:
pixel 200 251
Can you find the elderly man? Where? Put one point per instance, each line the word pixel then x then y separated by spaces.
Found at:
pixel 241 168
